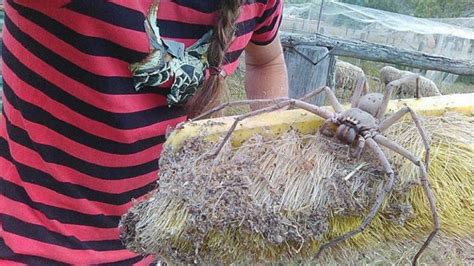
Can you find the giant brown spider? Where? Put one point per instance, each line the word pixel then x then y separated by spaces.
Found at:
pixel 361 125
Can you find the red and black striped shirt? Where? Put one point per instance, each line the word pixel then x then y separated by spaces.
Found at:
pixel 77 142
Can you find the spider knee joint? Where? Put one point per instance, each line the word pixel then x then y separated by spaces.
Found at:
pixel 360 229
pixel 291 103
pixel 238 119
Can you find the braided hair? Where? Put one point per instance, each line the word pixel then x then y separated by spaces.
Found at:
pixel 212 89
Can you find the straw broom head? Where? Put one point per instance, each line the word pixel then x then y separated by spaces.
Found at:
pixel 278 199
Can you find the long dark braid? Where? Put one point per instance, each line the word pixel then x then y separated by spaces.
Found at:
pixel 212 89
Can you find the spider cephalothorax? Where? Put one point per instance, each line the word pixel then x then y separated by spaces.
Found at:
pixel 170 59
pixel 361 126
pixel 356 124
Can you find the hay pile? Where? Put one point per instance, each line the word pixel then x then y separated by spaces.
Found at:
pixel 409 83
pixel 347 76
pixel 277 200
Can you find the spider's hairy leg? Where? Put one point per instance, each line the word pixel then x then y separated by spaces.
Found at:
pixel 392 119
pixel 361 84
pixel 236 103
pixel 321 112
pixel 329 93
pixel 424 181
pixel 279 105
pixel 378 201
pixel 356 151
pixel 386 98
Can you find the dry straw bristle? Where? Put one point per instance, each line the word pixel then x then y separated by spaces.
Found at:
pixel 276 200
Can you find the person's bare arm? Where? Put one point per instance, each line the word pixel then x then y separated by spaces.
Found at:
pixel 266 75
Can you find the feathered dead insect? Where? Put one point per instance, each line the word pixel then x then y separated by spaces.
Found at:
pixel 170 59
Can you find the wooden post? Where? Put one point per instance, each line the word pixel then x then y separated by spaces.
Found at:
pixel 331 81
pixel 303 75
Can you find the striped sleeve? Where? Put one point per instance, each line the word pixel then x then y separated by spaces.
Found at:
pixel 268 23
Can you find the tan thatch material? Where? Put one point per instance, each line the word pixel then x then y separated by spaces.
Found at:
pixel 277 200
